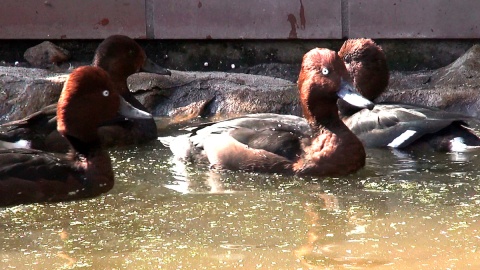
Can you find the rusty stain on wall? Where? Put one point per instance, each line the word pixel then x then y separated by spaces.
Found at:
pixel 303 20
pixel 82 19
pixel 293 24
pixel 102 22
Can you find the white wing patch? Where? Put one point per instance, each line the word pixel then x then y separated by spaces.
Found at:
pixel 18 144
pixel 402 138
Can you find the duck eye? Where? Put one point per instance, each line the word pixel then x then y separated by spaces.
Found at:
pixel 105 93
pixel 325 71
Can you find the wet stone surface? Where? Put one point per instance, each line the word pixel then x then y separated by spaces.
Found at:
pixel 243 89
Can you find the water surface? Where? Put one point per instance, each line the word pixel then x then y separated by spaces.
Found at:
pixel 414 211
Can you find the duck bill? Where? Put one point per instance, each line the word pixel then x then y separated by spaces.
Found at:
pixel 127 110
pixel 349 95
pixel 151 67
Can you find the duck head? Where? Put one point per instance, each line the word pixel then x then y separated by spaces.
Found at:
pixel 367 65
pixel 322 80
pixel 88 100
pixel 121 57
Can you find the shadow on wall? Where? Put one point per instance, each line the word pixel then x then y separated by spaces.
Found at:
pixel 225 55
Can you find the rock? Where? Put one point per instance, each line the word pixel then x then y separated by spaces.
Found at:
pixel 45 54
pixel 186 95
pixel 459 100
pixel 26 90
pixel 454 88
pixel 465 71
pixel 410 80
pixel 284 71
pixel 182 96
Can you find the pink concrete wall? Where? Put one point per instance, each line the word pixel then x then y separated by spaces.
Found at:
pixel 256 19
pixel 414 18
pixel 71 19
pixel 246 19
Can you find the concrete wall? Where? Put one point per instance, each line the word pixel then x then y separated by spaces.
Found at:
pixel 234 19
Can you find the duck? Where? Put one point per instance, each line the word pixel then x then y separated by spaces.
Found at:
pixel 397 125
pixel 121 57
pixel 320 145
pixel 88 100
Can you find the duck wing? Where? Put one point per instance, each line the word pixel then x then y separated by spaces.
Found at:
pixel 45 119
pixel 34 128
pixel 28 176
pixel 400 125
pixel 278 134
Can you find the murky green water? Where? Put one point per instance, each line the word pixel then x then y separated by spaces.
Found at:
pixel 415 212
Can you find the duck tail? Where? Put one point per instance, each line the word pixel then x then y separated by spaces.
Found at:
pixel 458 144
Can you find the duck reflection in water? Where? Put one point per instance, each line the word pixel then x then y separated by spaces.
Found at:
pixel 190 180
pixel 337 225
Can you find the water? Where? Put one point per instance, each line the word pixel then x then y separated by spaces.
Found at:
pixel 414 212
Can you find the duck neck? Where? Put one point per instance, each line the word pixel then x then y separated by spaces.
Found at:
pixel 95 162
pixel 81 148
pixel 120 83
pixel 323 116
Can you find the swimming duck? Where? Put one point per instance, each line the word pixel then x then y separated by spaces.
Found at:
pixel 405 126
pixel 88 100
pixel 321 145
pixel 121 57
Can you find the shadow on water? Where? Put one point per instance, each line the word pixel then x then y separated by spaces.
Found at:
pixel 402 211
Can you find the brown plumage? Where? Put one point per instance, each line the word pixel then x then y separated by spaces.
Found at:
pixel 88 99
pixel 397 125
pixel 319 144
pixel 367 65
pixel 121 57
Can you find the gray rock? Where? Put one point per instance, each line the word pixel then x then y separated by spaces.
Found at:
pixel 45 54
pixel 454 88
pixel 183 96
pixel 24 91
pixel 187 95
pixel 465 71
pixel 285 71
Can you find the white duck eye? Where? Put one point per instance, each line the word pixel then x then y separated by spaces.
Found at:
pixel 105 93
pixel 325 71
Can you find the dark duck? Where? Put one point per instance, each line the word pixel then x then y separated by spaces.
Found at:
pixel 88 100
pixel 319 145
pixel 121 57
pixel 403 126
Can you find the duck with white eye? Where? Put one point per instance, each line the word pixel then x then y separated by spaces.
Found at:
pixel 348 94
pixel 317 145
